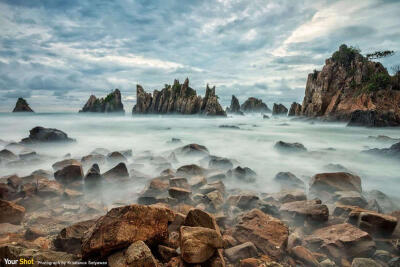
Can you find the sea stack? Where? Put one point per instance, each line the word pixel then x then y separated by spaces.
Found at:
pixel 253 104
pixel 179 99
pixel 22 106
pixel 110 104
pixel 350 86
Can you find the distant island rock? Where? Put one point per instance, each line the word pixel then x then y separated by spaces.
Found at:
pixel 279 109
pixel 177 98
pixel 110 104
pixel 253 104
pixel 350 87
pixel 22 106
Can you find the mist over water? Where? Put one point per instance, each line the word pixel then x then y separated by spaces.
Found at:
pixel 251 146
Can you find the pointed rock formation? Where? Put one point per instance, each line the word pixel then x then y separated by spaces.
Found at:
pixel 235 106
pixel 253 104
pixel 178 98
pixel 348 83
pixel 295 109
pixel 279 109
pixel 112 103
pixel 22 106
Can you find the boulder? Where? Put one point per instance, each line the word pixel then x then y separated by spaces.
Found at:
pixel 391 152
pixel 350 198
pixel 118 172
pixel 181 194
pixel 93 177
pixel 363 262
pixel 178 98
pixel 305 256
pixel 93 159
pixel 11 212
pixel 180 182
pixel 220 163
pixel 70 238
pixel 64 163
pixel 286 196
pixel 279 109
pixel 22 106
pixel 45 135
pixel 198 244
pixel 243 174
pixel 335 181
pixel 199 218
pixel 111 103
pixel 299 212
pixel 137 254
pixel 193 150
pixel 285 147
pixel 253 104
pixel 376 224
pixel 116 157
pixel 7 155
pixel 240 252
pixel 341 240
pixel 288 180
pixel 295 109
pixel 69 174
pixel 125 225
pixel 383 200
pixel 244 201
pixel 267 233
pixel 190 170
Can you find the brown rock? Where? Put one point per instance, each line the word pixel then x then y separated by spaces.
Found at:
pixel 198 244
pixel 64 163
pixel 22 106
pixel 240 252
pixel 295 109
pixel 118 172
pixel 180 194
pixel 69 174
pixel 311 211
pixel 305 256
pixel 199 218
pixel 166 253
pixel 332 182
pixel 341 240
pixel 70 238
pixel 124 225
pixel 190 170
pixel 267 233
pixel 10 212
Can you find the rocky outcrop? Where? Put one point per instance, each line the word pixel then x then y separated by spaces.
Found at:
pixel 234 107
pixel 253 104
pixel 178 98
pixel 22 106
pixel 391 152
pixel 295 109
pixel 348 83
pixel 112 103
pixel 40 134
pixel 279 109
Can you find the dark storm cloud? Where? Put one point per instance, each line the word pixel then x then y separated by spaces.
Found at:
pixel 71 49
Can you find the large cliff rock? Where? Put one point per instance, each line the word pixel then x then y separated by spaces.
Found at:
pixel 253 104
pixel 22 106
pixel 112 103
pixel 350 82
pixel 178 98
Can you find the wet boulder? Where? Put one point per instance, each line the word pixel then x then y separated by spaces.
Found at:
pixel 325 184
pixel 93 159
pixel 11 212
pixel 199 218
pixel 244 201
pixel 93 177
pixel 220 163
pixel 304 255
pixel 190 170
pixel 118 172
pixel 286 147
pixel 243 174
pixel 116 157
pixel 70 238
pixel 7 155
pixel 267 233
pixel 193 150
pixel 45 135
pixel 350 198
pixel 137 254
pixel 240 252
pixel 198 244
pixel 286 196
pixel 288 180
pixel 181 194
pixel 341 240
pixel 69 174
pixel 125 225
pixel 64 163
pixel 299 212
pixel 180 182
pixel 383 200
pixel 45 188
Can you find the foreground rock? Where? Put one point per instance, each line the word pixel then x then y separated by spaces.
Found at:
pixel 341 240
pixel 137 254
pixel 351 87
pixel 267 233
pixel 43 135
pixel 178 98
pixel 122 226
pixel 198 244
pixel 111 103
pixel 279 109
pixel 22 106
pixel 10 212
pixel 253 104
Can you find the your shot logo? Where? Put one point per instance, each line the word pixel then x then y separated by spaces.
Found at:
pixel 20 261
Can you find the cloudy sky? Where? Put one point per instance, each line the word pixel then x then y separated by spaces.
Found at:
pixel 55 53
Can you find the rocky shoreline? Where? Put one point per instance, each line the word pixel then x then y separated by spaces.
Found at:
pixel 188 216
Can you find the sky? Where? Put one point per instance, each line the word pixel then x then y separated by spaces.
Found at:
pixel 56 53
